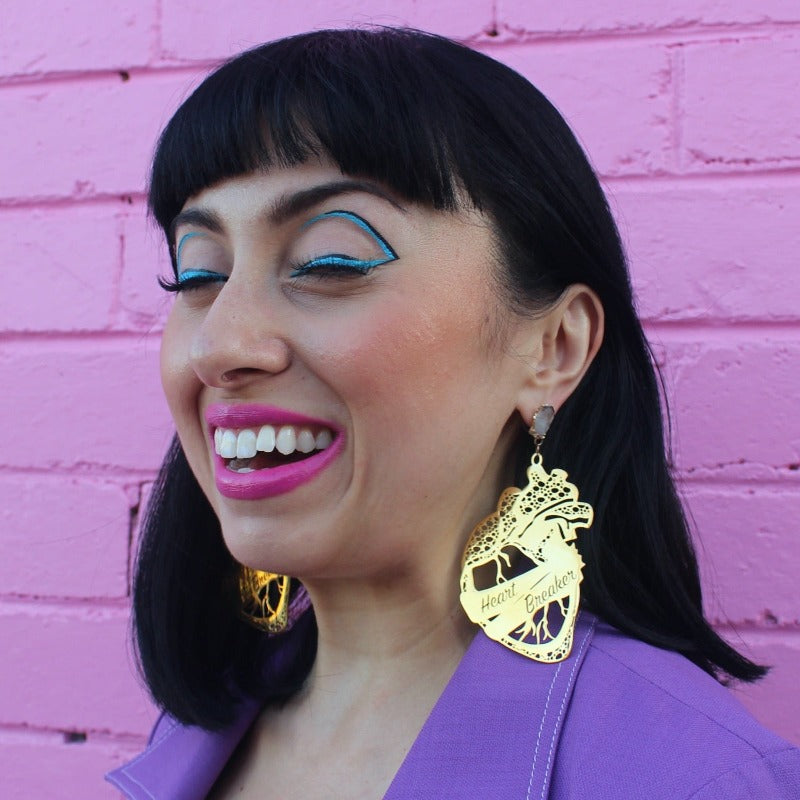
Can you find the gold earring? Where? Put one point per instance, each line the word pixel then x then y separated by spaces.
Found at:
pixel 521 574
pixel 265 599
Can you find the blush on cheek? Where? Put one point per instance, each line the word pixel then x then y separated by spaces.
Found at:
pixel 409 369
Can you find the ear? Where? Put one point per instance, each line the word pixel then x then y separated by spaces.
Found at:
pixel 566 339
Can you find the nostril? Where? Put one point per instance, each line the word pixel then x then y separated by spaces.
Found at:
pixel 237 374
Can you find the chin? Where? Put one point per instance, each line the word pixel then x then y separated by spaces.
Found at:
pixel 265 544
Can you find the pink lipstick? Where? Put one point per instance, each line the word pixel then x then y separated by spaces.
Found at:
pixel 270 481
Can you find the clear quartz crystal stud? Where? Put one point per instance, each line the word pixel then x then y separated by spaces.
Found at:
pixel 542 420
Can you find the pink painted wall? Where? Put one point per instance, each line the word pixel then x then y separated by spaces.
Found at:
pixel 690 110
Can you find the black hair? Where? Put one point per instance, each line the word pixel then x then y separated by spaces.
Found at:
pixel 439 124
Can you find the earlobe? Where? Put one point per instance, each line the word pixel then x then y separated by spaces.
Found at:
pixel 571 333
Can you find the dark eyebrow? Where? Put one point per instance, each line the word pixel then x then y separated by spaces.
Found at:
pixel 285 207
pixel 290 205
pixel 201 217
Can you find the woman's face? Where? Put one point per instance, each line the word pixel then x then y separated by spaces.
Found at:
pixel 355 344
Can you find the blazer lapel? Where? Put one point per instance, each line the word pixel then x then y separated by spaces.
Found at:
pixel 494 731
pixel 182 763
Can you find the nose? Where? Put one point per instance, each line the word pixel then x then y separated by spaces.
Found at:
pixel 239 340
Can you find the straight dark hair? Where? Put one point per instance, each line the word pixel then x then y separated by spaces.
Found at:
pixel 443 126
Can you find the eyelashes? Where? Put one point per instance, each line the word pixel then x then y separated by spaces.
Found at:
pixel 335 265
pixel 191 279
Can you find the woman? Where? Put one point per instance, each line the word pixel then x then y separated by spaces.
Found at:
pixel 392 259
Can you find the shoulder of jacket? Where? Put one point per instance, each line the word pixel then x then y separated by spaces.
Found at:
pixel 772 777
pixel 647 722
pixel 666 680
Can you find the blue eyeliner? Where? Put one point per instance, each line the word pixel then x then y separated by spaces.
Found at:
pixel 182 242
pixel 187 276
pixel 193 274
pixel 340 260
pixel 363 224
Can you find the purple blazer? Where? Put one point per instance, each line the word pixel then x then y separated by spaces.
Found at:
pixel 618 720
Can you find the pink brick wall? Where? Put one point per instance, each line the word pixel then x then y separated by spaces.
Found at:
pixel 689 109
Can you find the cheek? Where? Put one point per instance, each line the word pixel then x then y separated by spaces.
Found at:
pixel 402 364
pixel 182 390
pixel 177 377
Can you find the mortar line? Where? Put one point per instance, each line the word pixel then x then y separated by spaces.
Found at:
pixel 46 733
pixel 721 33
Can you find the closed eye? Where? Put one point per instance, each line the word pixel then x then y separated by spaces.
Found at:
pixel 337 263
pixel 192 279
pixel 340 263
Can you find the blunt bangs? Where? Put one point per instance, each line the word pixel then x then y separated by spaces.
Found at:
pixel 363 98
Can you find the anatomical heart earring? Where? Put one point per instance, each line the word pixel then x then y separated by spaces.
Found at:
pixel 265 599
pixel 521 574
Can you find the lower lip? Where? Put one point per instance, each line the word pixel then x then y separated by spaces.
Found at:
pixel 263 483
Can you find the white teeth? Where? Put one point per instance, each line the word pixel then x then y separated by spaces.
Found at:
pixel 227 446
pixel 323 440
pixel 246 444
pixel 266 439
pixel 305 441
pixel 286 440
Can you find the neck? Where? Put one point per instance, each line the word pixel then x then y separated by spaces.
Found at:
pixel 378 637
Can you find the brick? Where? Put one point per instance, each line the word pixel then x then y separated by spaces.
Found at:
pixel 143 303
pixel 63 537
pixel 95 403
pixel 41 36
pixel 740 103
pixel 726 252
pixel 60 268
pixel 775 700
pixel 734 403
pixel 84 138
pixel 70 669
pixel 543 16
pixel 616 99
pixel 44 765
pixel 186 33
pixel 748 551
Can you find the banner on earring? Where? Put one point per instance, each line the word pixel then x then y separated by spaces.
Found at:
pixel 509 603
pixel 528 593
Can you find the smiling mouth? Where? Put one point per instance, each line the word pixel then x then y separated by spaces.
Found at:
pixel 246 450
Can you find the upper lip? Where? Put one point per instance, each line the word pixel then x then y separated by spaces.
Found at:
pixel 245 415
